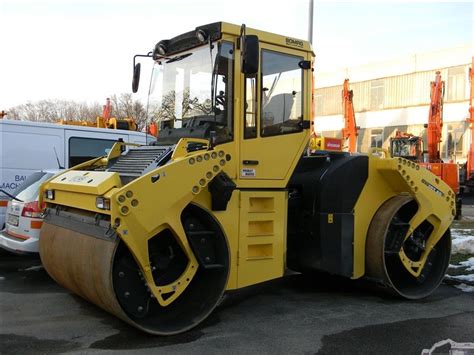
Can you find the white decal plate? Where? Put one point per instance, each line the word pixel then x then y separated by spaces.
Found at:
pixel 247 172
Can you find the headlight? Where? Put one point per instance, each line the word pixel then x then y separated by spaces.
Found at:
pixel 201 35
pixel 102 203
pixel 161 48
pixel 49 194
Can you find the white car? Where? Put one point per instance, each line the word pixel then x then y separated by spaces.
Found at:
pixel 24 216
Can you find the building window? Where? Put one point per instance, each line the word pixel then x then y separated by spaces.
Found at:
pixel 377 93
pixel 376 138
pixel 318 105
pixel 456 84
pixel 454 142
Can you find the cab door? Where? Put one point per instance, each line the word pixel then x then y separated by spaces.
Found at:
pixel 276 113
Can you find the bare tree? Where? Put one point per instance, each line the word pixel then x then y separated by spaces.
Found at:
pixel 124 106
pixel 189 107
pixel 52 110
pixel 55 110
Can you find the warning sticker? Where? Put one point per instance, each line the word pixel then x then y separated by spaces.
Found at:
pixel 248 173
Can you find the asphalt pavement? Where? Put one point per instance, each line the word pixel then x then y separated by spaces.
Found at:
pixel 297 314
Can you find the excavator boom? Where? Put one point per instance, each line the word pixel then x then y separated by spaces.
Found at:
pixel 435 119
pixel 350 130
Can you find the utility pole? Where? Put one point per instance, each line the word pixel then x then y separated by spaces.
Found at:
pixel 310 22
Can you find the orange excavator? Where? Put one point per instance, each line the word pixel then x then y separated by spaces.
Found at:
pixel 348 142
pixel 448 172
pixel 469 173
pixel 408 146
pixel 350 130
pixel 152 129
pixel 105 121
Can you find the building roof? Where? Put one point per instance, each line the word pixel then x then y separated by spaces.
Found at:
pixel 417 62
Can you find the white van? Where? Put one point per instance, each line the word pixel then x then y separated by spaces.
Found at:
pixel 26 147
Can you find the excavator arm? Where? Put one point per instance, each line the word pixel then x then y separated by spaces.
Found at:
pixel 435 118
pixel 350 130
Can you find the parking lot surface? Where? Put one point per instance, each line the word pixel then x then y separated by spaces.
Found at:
pixel 315 314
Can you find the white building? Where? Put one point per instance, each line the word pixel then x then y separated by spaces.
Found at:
pixel 395 95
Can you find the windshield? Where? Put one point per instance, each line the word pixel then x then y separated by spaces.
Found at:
pixel 28 191
pixel 194 89
pixel 405 148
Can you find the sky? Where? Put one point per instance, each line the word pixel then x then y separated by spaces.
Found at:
pixel 83 50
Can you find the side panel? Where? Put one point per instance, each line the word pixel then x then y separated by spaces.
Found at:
pixel 25 149
pixel 324 191
pixel 24 152
pixel 262 236
pixel 229 220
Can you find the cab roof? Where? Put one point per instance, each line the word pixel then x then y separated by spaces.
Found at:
pixel 216 30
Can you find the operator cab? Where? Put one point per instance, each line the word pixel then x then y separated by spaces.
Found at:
pixel 233 85
pixel 408 147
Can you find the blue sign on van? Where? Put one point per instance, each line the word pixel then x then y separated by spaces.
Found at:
pixel 13 185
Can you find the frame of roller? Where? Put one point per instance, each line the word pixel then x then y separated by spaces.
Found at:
pixel 159 248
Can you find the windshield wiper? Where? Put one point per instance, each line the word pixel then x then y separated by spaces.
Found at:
pixel 11 196
pixel 178 58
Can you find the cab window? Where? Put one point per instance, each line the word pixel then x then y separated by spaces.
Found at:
pixel 250 122
pixel 223 96
pixel 281 94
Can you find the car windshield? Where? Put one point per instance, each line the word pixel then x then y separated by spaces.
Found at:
pixel 28 191
pixel 194 88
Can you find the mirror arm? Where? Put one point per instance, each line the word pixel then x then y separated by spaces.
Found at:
pixel 148 55
pixel 136 70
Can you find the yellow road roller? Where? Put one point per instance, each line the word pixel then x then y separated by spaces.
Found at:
pixel 228 195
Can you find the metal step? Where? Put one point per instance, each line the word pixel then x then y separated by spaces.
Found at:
pixel 138 161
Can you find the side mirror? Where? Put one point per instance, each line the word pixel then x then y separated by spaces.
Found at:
pixel 250 54
pixel 136 77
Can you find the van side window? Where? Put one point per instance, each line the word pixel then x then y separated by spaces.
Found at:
pixel 84 149
pixel 281 90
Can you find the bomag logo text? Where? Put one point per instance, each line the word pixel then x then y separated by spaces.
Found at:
pixel 294 42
